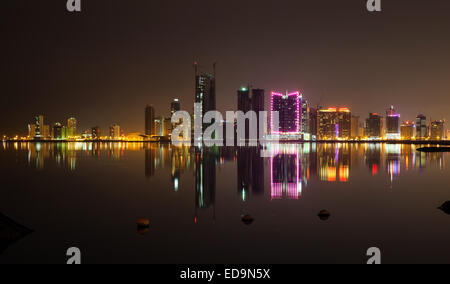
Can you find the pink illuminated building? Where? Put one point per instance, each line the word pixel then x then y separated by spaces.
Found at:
pixel 289 108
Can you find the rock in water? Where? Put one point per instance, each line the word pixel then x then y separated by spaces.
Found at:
pixel 247 219
pixel 445 207
pixel 324 215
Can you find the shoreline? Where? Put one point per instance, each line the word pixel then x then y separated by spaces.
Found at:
pixel 404 142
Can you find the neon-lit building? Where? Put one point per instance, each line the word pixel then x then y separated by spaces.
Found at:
pixel 289 108
pixel 334 123
pixel 392 124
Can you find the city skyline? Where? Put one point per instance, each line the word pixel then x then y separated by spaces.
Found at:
pixel 388 63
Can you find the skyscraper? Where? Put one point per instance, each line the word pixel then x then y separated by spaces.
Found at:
pixel 244 102
pixel 392 124
pixel 96 132
pixel 437 130
pixel 258 105
pixel 39 126
pixel 175 106
pixel 114 131
pixel 289 108
pixel 407 130
pixel 335 123
pixel 421 127
pixel 355 127
pixel 57 131
pixel 205 94
pixel 374 126
pixel 71 127
pixel 305 117
pixel 150 120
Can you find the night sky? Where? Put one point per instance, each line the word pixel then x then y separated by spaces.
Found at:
pixel 105 64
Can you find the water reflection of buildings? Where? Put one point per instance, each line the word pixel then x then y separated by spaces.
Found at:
pixel 292 166
pixel 285 172
pixel 334 162
pixel 250 172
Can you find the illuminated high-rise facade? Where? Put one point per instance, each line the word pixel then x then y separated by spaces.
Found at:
pixel 288 107
pixel 58 131
pixel 437 130
pixel 114 131
pixel 150 121
pixel 334 123
pixel 39 126
pixel 407 130
pixel 392 124
pixel 421 127
pixel 71 127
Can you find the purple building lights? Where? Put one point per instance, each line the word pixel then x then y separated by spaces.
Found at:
pixel 289 108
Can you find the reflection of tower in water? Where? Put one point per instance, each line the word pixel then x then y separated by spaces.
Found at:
pixel 334 162
pixel 285 172
pixel 250 171
pixel 150 159
pixel 205 178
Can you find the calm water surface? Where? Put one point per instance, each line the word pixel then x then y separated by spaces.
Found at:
pixel 90 195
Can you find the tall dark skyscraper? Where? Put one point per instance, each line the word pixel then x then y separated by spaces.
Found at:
pixel 244 102
pixel 205 92
pixel 175 106
pixel 421 127
pixel 150 121
pixel 374 126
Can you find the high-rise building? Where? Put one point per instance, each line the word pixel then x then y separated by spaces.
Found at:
pixel 335 123
pixel 407 130
pixel 255 103
pixel 167 127
pixel 175 106
pixel 114 131
pixel 374 126
pixel 57 131
pixel 421 127
pixel 45 133
pixel 96 132
pixel 205 95
pixel 39 126
pixel 392 124
pixel 313 121
pixel 305 117
pixel 437 130
pixel 150 121
pixel 356 129
pixel 288 107
pixel 72 127
pixel 258 105
pixel 159 126
pixel 244 102
pixel 31 131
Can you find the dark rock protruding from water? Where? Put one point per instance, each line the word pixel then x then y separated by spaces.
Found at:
pixel 10 232
pixel 445 207
pixel 247 219
pixel 324 215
